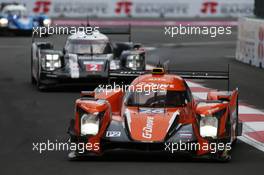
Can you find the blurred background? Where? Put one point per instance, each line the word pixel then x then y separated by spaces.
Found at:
pixel 154 9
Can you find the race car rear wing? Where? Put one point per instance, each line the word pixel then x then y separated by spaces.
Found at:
pixel 118 31
pixel 202 74
pixel 210 75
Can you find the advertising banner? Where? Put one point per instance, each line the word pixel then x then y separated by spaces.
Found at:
pixel 140 8
pixel 250 45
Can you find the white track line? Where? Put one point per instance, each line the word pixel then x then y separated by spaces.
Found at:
pixel 257 126
pixel 252 142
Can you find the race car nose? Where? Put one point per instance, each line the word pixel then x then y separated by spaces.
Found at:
pixel 148 128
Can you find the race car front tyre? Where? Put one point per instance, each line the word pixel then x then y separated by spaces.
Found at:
pixel 33 80
pixel 74 156
pixel 40 86
pixel 224 156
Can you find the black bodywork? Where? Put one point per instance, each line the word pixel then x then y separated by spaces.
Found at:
pixel 83 69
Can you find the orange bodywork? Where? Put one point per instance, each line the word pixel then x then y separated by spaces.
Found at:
pixel 160 121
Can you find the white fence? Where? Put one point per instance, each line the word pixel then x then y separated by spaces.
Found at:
pixel 140 8
pixel 250 45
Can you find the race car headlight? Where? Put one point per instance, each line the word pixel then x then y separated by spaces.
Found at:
pixel 89 124
pixel 3 22
pixel 51 62
pixel 133 61
pixel 133 57
pixel 46 22
pixel 208 126
pixel 114 65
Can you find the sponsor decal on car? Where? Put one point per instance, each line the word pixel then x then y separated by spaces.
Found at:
pixel 113 134
pixel 93 66
pixel 147 130
pixel 153 111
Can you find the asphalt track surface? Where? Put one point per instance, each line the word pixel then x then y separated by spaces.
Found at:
pixel 27 115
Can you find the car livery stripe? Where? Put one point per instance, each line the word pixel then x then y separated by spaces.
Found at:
pixel 175 114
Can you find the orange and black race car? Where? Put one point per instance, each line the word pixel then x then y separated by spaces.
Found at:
pixel 157 112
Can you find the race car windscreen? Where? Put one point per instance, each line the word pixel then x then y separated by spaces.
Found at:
pixel 88 47
pixel 16 12
pixel 168 99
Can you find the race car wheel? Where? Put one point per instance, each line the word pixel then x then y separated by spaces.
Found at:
pixel 224 156
pixel 237 125
pixel 33 80
pixel 40 86
pixel 235 140
pixel 72 156
pixel 75 156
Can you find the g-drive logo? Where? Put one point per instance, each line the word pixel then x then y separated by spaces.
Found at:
pixel 147 130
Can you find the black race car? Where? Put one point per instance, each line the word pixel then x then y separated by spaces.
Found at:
pixel 85 59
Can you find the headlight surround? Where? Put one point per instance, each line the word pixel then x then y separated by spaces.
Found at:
pixel 50 62
pixel 208 126
pixel 3 22
pixel 46 22
pixel 90 124
pixel 114 65
pixel 134 61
